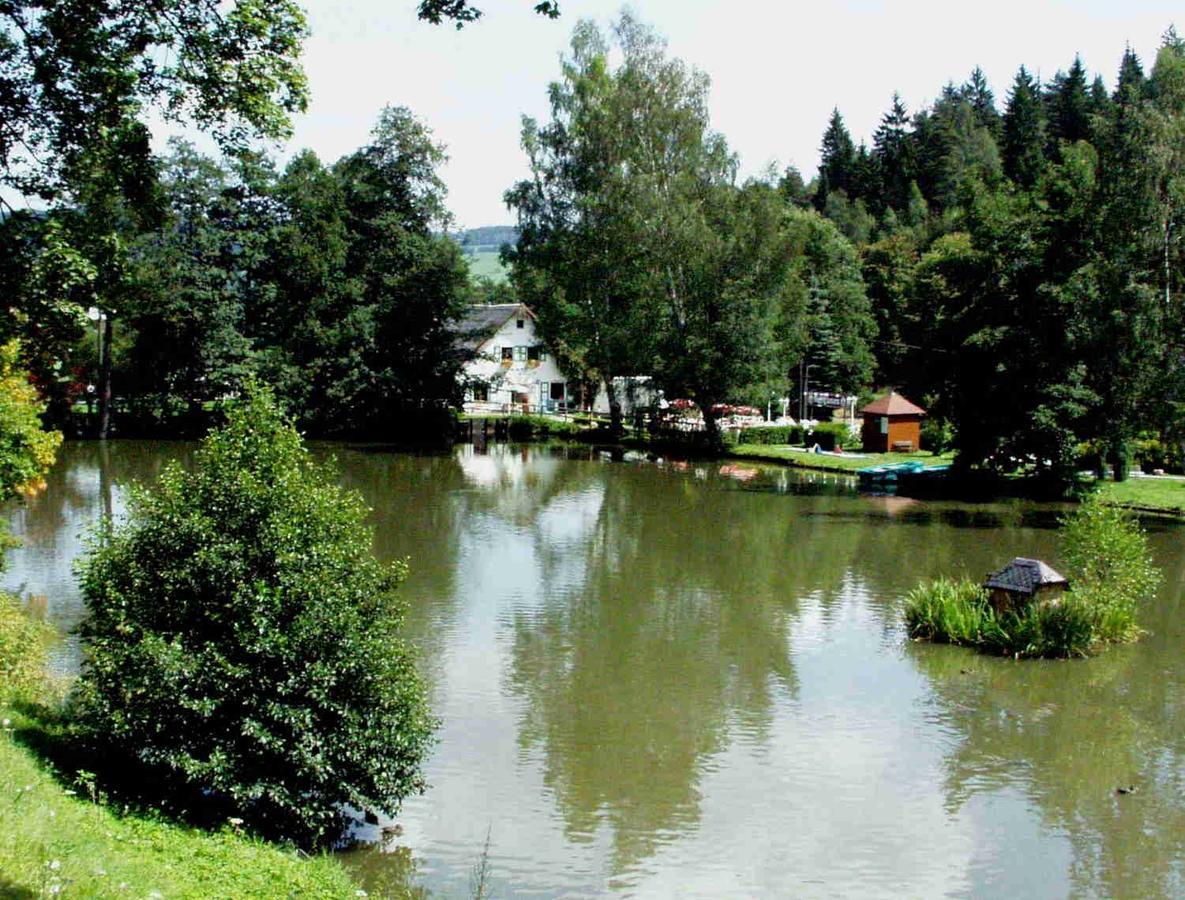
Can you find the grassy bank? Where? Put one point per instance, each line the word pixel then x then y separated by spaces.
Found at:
pixel 782 453
pixel 1164 495
pixel 59 837
pixel 1153 494
pixel 55 841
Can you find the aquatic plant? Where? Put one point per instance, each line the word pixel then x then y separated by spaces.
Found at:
pixel 949 611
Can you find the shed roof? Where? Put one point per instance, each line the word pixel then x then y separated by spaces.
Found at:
pixel 1024 576
pixel 893 404
pixel 481 321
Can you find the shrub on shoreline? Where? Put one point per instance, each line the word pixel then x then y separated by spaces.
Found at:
pixel 23 645
pixel 242 644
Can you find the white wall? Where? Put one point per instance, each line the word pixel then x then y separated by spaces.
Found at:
pixel 519 376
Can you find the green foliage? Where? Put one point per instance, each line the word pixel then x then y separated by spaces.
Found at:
pixel 949 612
pixel 462 12
pixel 242 643
pixel 1111 574
pixel 829 435
pixel 1110 566
pixel 331 283
pixel 937 434
pixel 23 645
pixel 771 434
pixel 77 76
pixel 1153 453
pixel 26 450
pixel 946 611
pixel 70 843
pixel 1024 269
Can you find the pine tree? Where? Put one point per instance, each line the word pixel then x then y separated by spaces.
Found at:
pixel 1024 128
pixel 1132 82
pixel 893 152
pixel 977 92
pixel 838 156
pixel 1068 107
pixel 1100 104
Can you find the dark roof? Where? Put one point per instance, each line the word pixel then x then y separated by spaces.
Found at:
pixel 1023 576
pixel 893 404
pixel 480 322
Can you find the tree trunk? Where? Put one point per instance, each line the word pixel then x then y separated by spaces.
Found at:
pixel 105 378
pixel 1120 460
pixel 711 428
pixel 616 427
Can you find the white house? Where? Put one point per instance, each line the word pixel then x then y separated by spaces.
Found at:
pixel 510 368
pixel 634 392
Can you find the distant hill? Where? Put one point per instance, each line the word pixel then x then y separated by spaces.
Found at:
pixel 488 237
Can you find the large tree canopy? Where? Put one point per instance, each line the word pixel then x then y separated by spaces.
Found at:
pixel 461 12
pixel 642 254
pixel 78 76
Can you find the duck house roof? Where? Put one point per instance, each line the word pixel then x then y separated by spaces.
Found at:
pixel 1024 576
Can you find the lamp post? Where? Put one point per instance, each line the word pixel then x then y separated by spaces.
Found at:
pixel 102 320
pixel 804 380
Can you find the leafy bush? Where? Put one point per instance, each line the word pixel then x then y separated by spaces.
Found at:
pixel 242 644
pixel 828 435
pixel 526 427
pixel 1154 453
pixel 23 644
pixel 772 434
pixel 26 450
pixel 938 435
pixel 1109 566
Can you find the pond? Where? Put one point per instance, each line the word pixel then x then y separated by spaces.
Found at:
pixel 691 679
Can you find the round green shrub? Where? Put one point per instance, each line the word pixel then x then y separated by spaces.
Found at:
pixel 242 644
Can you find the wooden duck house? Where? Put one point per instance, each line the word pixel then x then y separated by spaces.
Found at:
pixel 1021 582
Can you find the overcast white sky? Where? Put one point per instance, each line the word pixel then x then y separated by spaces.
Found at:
pixel 777 68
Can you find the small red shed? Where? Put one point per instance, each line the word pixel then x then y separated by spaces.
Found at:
pixel 892 423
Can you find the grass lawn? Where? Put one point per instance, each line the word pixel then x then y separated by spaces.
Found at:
pixel 844 463
pixel 1153 493
pixel 56 843
pixel 486 263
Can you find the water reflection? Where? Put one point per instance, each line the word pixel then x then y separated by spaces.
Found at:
pixel 670 678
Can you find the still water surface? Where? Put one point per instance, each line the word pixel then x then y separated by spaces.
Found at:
pixel 693 680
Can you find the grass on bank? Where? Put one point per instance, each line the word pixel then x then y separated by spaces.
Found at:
pixel 1111 574
pixel 841 463
pixel 1151 493
pixel 56 840
pixel 59 838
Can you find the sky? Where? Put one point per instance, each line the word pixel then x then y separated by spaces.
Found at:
pixel 778 67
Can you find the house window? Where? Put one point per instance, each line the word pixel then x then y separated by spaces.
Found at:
pixel 884 424
pixel 521 323
pixel 535 354
pixel 557 390
pixel 507 354
pixel 520 354
pixel 481 393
